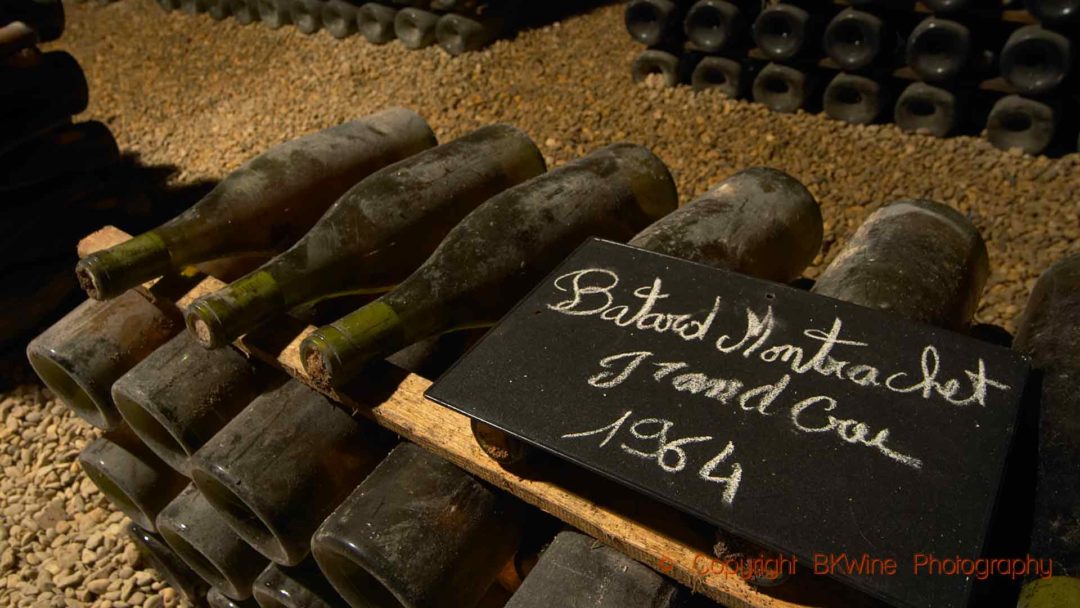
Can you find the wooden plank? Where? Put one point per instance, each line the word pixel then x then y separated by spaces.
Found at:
pixel 646 530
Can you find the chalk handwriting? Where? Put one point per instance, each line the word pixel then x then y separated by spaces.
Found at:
pixel 655 444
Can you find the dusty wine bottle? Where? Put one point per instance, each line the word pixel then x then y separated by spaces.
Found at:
pixel 415 28
pixel 785 31
pixel 721 73
pixel 83 354
pixel 496 254
pixel 1057 12
pixel 924 108
pixel 306 15
pixel 339 18
pixel 760 221
pixel 171 568
pixel 713 25
pixel 939 49
pixel 376 234
pixel 418 532
pixel 1048 333
pixel 659 62
pixel 583 572
pixel 1036 60
pixel 216 599
pixel 264 206
pixel 652 22
pixel 180 396
pixel 782 88
pixel 458 34
pixel 917 259
pixel 200 537
pixel 301 586
pixel 282 465
pixel 134 480
pixel 853 98
pixel 854 39
pixel 376 22
pixel 1022 123
pixel 54 81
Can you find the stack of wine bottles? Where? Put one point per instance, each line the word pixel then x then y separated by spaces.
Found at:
pixel 457 26
pixel 52 183
pixel 941 67
pixel 256 481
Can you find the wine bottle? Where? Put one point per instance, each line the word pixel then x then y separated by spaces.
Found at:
pixel 170 567
pixel 134 480
pixel 925 108
pixel 782 88
pixel 339 18
pixel 217 599
pixel 720 73
pixel 278 468
pixel 376 234
pixel 264 206
pixel 306 15
pixel 415 28
pixel 785 31
pixel 302 586
pixel 1048 333
pixel 583 572
pixel 82 355
pixel 938 49
pixel 713 25
pixel 200 536
pixel 760 221
pixel 418 531
pixel 458 34
pixel 376 22
pixel 180 396
pixel 854 98
pixel 656 61
pixel 1035 61
pixel 53 80
pixel 653 22
pixel 1019 122
pixel 917 259
pixel 496 254
pixel 1056 12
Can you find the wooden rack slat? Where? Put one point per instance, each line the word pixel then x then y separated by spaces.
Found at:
pixel 644 529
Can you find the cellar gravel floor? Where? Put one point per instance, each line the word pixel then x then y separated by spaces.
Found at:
pixel 183 90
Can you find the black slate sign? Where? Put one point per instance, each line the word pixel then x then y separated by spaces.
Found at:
pixel 808 425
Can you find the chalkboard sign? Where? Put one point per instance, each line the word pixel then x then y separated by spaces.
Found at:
pixel 815 427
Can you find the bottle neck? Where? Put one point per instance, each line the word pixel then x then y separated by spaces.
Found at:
pixel 107 274
pixel 223 316
pixel 336 353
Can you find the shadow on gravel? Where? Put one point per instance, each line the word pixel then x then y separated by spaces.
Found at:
pixel 37 282
pixel 532 15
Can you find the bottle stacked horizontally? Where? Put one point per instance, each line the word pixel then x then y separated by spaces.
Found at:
pixel 941 67
pixel 457 26
pixel 53 174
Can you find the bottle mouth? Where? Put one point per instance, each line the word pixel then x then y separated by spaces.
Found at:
pixel 153 431
pixel 711 26
pixel 245 518
pixel 645 22
pixel 317 357
pixel 205 325
pixel 85 399
pixel 201 563
pixel 779 34
pixel 349 572
pixel 120 497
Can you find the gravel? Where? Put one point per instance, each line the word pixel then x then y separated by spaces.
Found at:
pixel 205 96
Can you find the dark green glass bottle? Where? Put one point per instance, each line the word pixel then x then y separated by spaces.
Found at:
pixel 376 234
pixel 264 206
pixel 496 254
